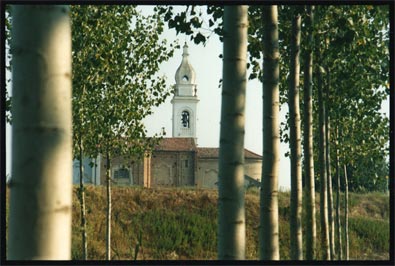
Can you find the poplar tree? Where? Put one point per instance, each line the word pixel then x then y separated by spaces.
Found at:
pixel 268 229
pixel 116 56
pixel 41 186
pixel 328 169
pixel 346 238
pixel 338 245
pixel 310 223
pixel 231 211
pixel 325 251
pixel 350 38
pixel 295 144
pixel 354 50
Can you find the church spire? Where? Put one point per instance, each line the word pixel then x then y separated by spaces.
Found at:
pixel 185 50
pixel 185 73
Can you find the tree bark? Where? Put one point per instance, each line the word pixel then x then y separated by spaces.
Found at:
pixel 82 204
pixel 231 213
pixel 268 235
pixel 323 177
pixel 346 213
pixel 329 174
pixel 338 223
pixel 108 216
pixel 41 186
pixel 295 145
pixel 311 231
pixel 330 194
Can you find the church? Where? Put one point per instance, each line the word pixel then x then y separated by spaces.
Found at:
pixel 177 161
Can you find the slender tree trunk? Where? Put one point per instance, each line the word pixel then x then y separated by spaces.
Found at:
pixel 268 235
pixel 231 214
pixel 311 230
pixel 346 212
pixel 329 174
pixel 41 186
pixel 323 177
pixel 108 216
pixel 338 223
pixel 82 204
pixel 295 145
pixel 330 194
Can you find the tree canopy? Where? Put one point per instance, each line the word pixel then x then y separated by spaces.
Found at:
pixel 351 43
pixel 116 56
pixel 352 46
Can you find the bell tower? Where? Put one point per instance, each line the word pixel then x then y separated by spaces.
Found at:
pixel 185 99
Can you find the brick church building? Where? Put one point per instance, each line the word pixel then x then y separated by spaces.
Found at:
pixel 176 161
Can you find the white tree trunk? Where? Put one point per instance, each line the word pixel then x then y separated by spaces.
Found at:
pixel 108 216
pixel 323 177
pixel 82 204
pixel 268 235
pixel 346 213
pixel 311 231
pixel 295 145
pixel 338 222
pixel 231 214
pixel 331 222
pixel 41 188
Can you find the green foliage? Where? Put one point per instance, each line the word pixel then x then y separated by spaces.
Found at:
pixel 190 21
pixel 8 107
pixel 116 55
pixel 8 27
pixel 357 74
pixel 346 41
pixel 255 46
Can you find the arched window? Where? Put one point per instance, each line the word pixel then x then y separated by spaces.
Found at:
pixel 121 173
pixel 185 119
pixel 185 78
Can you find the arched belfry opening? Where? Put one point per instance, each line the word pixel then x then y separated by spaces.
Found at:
pixel 185 119
pixel 185 99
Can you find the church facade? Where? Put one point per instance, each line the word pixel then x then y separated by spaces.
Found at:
pixel 177 161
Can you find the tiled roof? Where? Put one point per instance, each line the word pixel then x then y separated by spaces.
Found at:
pixel 214 153
pixel 208 152
pixel 176 144
pixel 188 144
pixel 252 155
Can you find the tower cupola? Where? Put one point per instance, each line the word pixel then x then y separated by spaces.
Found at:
pixel 185 73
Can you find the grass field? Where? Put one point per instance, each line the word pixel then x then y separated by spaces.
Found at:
pixel 182 224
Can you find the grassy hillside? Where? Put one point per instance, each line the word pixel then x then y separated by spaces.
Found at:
pixel 182 224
